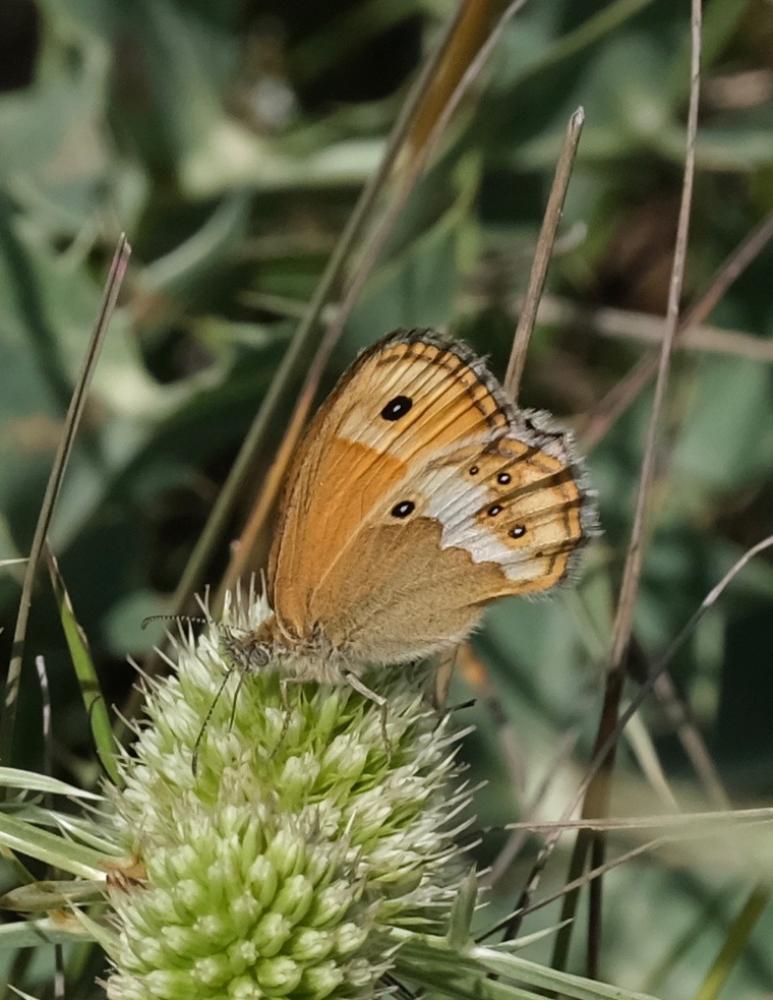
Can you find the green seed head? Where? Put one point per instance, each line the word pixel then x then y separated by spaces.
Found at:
pixel 277 867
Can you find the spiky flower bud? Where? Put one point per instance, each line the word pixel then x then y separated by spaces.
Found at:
pixel 278 866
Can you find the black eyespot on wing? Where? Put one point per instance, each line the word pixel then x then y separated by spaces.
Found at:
pixel 397 408
pixel 403 509
pixel 494 509
pixel 474 470
pixel 518 531
pixel 504 478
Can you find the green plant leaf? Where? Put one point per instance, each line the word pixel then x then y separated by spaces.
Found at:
pixel 54 850
pixel 463 911
pixel 466 973
pixel 14 777
pixel 86 672
pixel 51 895
pixel 34 933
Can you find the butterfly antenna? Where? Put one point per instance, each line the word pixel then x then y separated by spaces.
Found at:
pixel 174 618
pixel 205 723
pixel 235 699
pixel 459 706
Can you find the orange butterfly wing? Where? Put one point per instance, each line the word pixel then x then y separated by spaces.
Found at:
pixel 418 495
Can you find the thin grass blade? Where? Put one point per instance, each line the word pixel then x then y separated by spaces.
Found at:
pixel 734 944
pixel 56 477
pixel 86 673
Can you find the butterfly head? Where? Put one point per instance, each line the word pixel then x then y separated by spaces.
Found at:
pixel 248 650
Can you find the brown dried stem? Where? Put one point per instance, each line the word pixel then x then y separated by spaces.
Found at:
pixel 646 329
pixel 597 796
pixel 621 396
pixel 71 423
pixel 247 551
pixel 543 254
pixel 678 713
pixel 628 856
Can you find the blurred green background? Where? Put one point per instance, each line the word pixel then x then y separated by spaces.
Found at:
pixel 230 140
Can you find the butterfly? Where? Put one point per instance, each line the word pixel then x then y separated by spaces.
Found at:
pixel 418 496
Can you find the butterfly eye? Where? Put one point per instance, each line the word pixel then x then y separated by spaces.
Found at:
pixel 403 509
pixel 518 531
pixel 503 478
pixel 396 408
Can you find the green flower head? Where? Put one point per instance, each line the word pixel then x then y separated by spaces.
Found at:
pixel 280 864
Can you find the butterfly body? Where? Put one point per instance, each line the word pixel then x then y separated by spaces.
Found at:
pixel 418 496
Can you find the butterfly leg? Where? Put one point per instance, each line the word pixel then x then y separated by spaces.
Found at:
pixel 354 682
pixel 284 684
